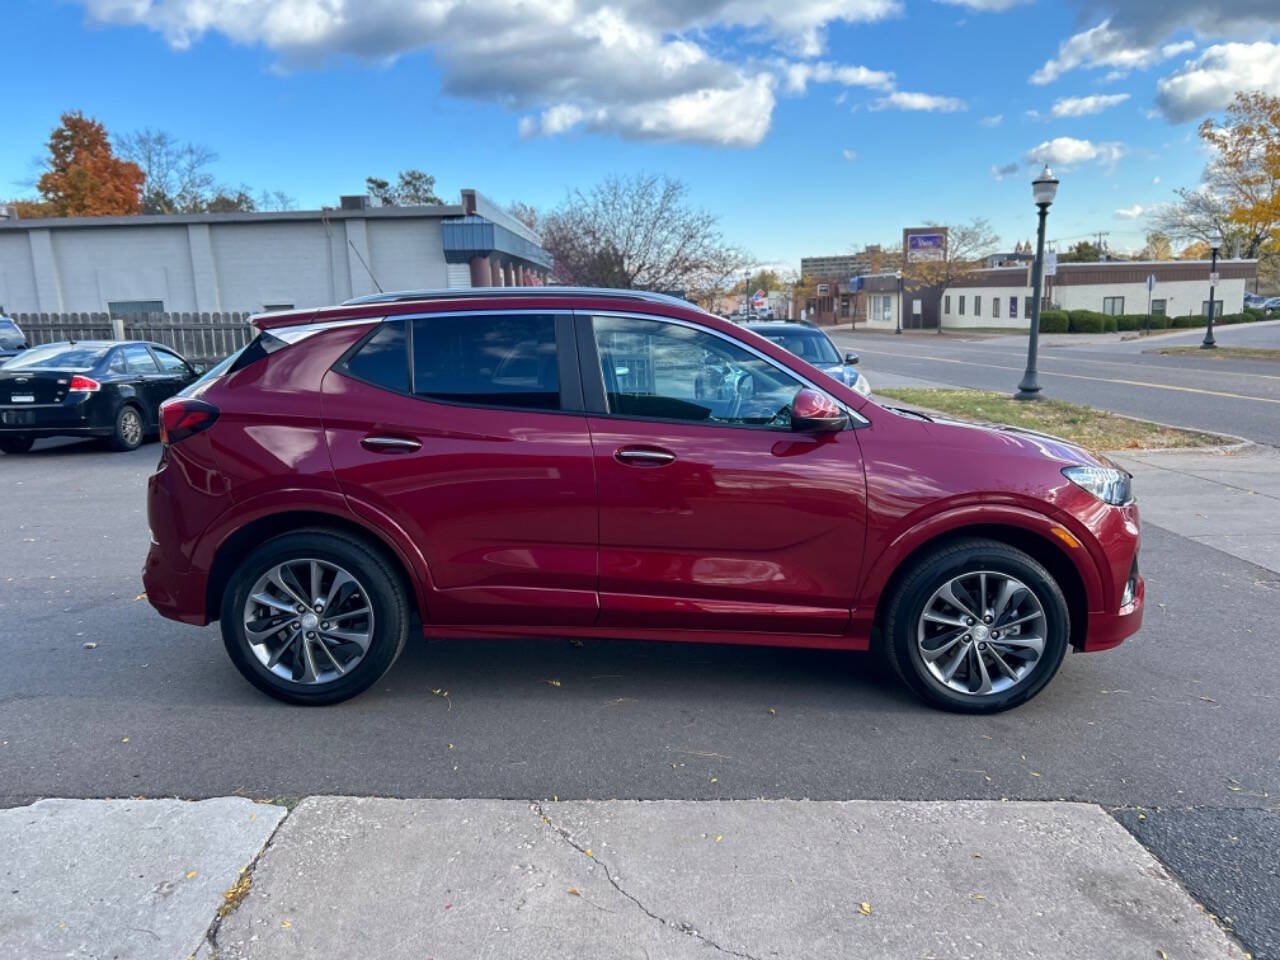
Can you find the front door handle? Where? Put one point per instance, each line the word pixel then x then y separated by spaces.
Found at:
pixel 390 444
pixel 644 456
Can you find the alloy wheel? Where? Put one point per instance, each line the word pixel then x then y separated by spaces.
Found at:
pixel 309 621
pixel 981 633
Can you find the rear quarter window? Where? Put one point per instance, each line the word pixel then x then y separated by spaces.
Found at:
pixel 382 359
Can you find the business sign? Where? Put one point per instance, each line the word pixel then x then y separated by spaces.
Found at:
pixel 856 284
pixel 1051 263
pixel 759 298
pixel 926 246
pixel 824 290
pixel 917 307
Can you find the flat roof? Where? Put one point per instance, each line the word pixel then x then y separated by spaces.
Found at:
pixel 433 211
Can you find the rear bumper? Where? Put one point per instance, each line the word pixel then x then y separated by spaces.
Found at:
pixel 1108 630
pixel 51 420
pixel 178 596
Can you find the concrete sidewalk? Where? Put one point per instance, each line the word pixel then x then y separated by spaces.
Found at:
pixel 467 879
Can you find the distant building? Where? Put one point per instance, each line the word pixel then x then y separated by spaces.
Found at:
pixel 206 263
pixel 1001 297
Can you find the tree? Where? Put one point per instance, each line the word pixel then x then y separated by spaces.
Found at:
pixel 413 188
pixel 1239 196
pixel 177 178
pixel 526 214
pixel 1083 251
pixel 83 177
pixel 765 280
pixel 1158 247
pixel 639 232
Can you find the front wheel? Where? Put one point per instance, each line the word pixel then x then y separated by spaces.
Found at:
pixel 18 444
pixel 977 627
pixel 314 617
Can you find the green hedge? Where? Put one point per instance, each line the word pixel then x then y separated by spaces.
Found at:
pixel 1054 321
pixel 1090 321
pixel 1255 313
pixel 1187 320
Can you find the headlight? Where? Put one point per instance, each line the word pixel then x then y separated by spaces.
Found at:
pixel 861 385
pixel 1106 483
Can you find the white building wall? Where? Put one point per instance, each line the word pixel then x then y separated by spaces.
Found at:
pixel 407 255
pixel 877 316
pixel 1180 296
pixel 96 266
pixel 281 262
pixel 17 277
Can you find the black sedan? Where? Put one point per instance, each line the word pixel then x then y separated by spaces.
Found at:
pixel 12 340
pixel 88 388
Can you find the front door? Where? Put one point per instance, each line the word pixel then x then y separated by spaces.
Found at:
pixel 714 515
pixel 467 430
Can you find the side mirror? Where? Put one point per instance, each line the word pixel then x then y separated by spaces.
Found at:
pixel 812 411
pixel 850 359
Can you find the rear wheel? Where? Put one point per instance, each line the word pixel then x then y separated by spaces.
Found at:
pixel 977 627
pixel 128 431
pixel 314 617
pixel 18 444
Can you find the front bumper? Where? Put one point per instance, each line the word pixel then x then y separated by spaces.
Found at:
pixel 1107 630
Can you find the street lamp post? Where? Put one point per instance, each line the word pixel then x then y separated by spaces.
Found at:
pixel 1043 188
pixel 898 315
pixel 1215 241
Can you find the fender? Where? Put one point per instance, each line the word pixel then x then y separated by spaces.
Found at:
pixel 380 528
pixel 1086 559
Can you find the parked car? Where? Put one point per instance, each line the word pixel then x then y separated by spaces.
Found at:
pixel 594 463
pixel 12 340
pixel 88 388
pixel 814 347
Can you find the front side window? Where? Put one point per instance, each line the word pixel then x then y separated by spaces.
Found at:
pixel 500 361
pixel 171 362
pixel 666 371
pixel 1113 306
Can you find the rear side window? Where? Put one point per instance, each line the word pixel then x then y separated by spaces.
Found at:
pixel 500 361
pixel 381 359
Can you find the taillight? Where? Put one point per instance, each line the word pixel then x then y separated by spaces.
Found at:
pixel 180 417
pixel 86 384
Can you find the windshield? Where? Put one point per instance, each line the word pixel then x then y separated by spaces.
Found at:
pixel 812 346
pixel 75 358
pixel 11 337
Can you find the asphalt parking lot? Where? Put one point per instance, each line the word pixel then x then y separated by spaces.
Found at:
pixel 102 697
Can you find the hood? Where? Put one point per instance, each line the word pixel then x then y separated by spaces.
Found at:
pixel 1001 440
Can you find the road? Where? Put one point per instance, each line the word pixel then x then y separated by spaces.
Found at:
pixel 101 697
pixel 1217 393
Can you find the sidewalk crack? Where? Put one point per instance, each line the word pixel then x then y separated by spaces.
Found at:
pixel 681 926
pixel 238 892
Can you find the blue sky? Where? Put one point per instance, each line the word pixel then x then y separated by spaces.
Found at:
pixel 807 127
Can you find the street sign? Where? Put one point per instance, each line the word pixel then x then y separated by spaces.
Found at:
pixel 855 284
pixel 759 300
pixel 1151 282
pixel 1213 277
pixel 1051 263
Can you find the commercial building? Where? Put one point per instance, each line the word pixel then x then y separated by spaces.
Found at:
pixel 1001 296
pixel 210 263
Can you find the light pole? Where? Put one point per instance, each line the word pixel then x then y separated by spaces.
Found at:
pixel 1043 188
pixel 898 315
pixel 1215 241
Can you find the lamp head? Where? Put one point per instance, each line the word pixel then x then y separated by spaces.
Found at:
pixel 1045 186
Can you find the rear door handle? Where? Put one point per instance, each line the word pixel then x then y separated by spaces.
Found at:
pixel 644 456
pixel 390 444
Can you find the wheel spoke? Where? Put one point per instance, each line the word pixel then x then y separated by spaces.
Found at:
pixel 348 614
pixel 1022 619
pixel 308 664
pixel 984 685
pixel 1028 642
pixel 267 600
pixel 275 657
pixel 332 659
pixel 1007 589
pixel 950 669
pixel 1004 666
pixel 317 574
pixel 982 593
pixel 948 594
pixel 276 579
pixel 933 653
pixel 259 630
pixel 340 579
pixel 359 638
pixel 942 619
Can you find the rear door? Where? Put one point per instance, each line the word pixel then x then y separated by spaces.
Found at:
pixel 714 515
pixel 468 431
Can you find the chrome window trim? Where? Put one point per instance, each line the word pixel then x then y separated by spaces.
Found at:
pixel 302 331
pixel 856 419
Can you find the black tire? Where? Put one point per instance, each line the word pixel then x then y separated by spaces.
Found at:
pixel 18 444
pixel 905 607
pixel 129 430
pixel 383 590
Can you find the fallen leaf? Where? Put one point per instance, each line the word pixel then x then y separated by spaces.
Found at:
pixel 554 683
pixel 588 852
pixel 1163 955
pixel 191 874
pixel 715 780
pixel 1208 699
pixel 124 739
pixel 451 745
pixel 864 908
pixel 141 596
pixel 574 892
pixel 979 896
pixel 90 645
pixel 1033 773
pixel 719 837
pixel 773 712
pixel 286 924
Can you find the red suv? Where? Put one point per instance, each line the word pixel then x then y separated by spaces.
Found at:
pixel 593 463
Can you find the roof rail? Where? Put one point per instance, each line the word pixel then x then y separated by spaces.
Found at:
pixel 461 293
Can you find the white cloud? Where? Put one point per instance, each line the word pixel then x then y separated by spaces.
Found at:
pixel 1129 213
pixel 1207 83
pixel 985 6
pixel 1068 151
pixel 1004 170
pixel 902 100
pixel 800 75
pixel 992 121
pixel 1104 46
pixel 849 155
pixel 1155 181
pixel 634 68
pixel 1084 106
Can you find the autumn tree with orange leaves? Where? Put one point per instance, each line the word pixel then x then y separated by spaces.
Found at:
pixel 83 177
